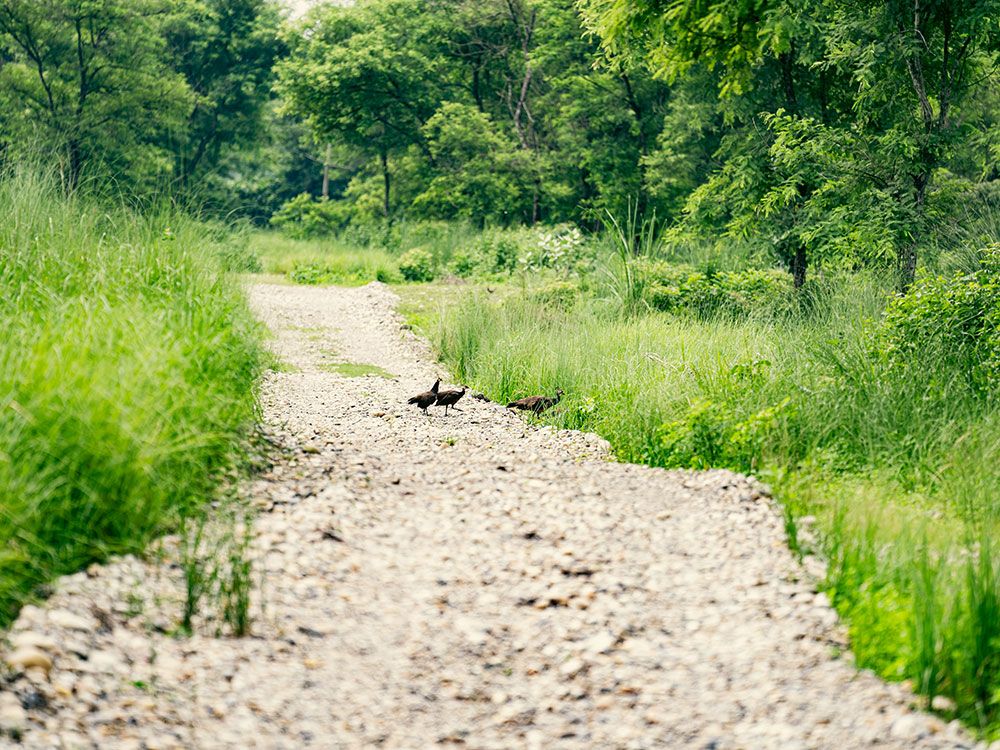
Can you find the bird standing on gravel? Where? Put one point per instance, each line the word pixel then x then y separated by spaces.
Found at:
pixel 536 404
pixel 427 398
pixel 450 398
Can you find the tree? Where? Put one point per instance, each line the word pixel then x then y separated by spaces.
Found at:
pixel 479 172
pixel 916 65
pixel 365 76
pixel 89 79
pixel 898 80
pixel 225 49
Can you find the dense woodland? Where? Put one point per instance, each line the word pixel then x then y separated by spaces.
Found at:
pixel 761 235
pixel 826 132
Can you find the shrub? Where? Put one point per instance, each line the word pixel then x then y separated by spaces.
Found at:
pixel 310 273
pixel 711 435
pixel 558 294
pixel 499 249
pixel 562 247
pixel 674 288
pixel 304 216
pixel 237 256
pixel 958 317
pixel 417 265
pixel 465 263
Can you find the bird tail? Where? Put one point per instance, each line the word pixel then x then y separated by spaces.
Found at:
pixel 413 400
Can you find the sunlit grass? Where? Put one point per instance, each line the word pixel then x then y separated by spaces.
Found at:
pixel 127 370
pixel 322 261
pixel 356 370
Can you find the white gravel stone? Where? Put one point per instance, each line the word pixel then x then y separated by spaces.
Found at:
pixel 29 658
pixel 69 620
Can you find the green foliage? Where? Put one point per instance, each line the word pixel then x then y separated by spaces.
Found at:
pixel 958 317
pixel 127 371
pixel 225 49
pixel 841 118
pixel 305 217
pixel 679 288
pixel 489 111
pixel 417 265
pixel 710 436
pixel 478 172
pixel 562 295
pixel 141 91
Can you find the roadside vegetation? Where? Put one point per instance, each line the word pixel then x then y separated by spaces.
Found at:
pixel 127 370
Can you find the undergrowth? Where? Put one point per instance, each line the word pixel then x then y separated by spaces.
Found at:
pixel 127 378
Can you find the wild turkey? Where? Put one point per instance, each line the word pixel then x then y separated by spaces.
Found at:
pixel 536 404
pixel 427 398
pixel 450 398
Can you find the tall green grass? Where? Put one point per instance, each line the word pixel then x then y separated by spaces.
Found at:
pixel 322 261
pixel 901 471
pixel 127 368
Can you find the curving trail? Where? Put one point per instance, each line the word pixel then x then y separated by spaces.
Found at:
pixel 467 581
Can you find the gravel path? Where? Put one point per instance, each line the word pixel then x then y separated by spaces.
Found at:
pixel 467 581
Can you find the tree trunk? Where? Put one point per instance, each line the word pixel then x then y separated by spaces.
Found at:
pixel 906 258
pixel 799 266
pixel 907 261
pixel 326 173
pixel 385 177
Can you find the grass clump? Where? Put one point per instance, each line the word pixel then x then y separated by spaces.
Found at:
pixel 357 370
pixel 127 371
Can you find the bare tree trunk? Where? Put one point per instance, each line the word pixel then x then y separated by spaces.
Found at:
pixel 799 266
pixel 326 173
pixel 536 209
pixel 906 258
pixel 384 156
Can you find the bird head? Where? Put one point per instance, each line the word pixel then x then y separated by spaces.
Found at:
pixel 437 383
pixel 559 391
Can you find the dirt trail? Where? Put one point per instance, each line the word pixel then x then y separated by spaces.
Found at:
pixel 465 581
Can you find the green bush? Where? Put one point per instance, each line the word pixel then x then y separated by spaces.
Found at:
pixel 957 316
pixel 304 216
pixel 677 288
pixel 127 369
pixel 310 273
pixel 238 257
pixel 562 295
pixel 417 265
pixel 465 263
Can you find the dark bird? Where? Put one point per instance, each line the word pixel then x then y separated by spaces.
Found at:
pixel 450 398
pixel 536 404
pixel 427 398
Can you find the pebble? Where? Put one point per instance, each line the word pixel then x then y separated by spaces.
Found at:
pixel 13 717
pixel 29 657
pixel 70 621
pixel 943 704
pixel 29 639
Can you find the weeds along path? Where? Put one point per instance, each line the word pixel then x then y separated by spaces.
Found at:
pixel 465 581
